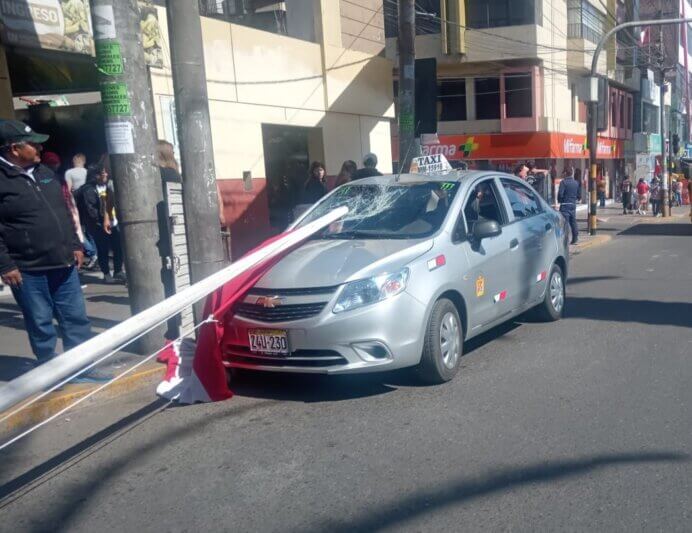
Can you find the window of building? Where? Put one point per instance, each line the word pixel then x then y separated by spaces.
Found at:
pixel 650 118
pixel 573 93
pixel 613 109
pixel 499 13
pixel 623 115
pixel 630 112
pixel 487 98
pixel 428 15
pixel 584 21
pixel 519 94
pixel 258 14
pixel 451 98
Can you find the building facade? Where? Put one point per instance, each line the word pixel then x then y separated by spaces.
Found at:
pixel 510 78
pixel 289 83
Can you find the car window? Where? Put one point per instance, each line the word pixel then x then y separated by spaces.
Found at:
pixel 523 200
pixel 482 204
pixel 386 211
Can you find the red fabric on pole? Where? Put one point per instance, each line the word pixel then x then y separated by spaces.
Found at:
pixel 208 361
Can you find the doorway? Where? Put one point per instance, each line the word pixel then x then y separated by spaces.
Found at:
pixel 288 151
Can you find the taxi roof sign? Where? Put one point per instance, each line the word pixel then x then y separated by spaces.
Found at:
pixel 430 164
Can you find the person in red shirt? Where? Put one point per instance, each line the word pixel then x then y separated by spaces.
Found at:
pixel 643 193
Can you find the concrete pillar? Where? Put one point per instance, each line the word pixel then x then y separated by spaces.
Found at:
pixel 6 105
pixel 470 99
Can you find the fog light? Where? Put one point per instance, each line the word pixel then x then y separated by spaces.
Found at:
pixel 372 351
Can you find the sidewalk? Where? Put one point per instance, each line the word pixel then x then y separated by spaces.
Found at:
pixel 107 305
pixel 611 221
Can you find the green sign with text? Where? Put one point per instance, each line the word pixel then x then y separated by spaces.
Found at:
pixel 108 57
pixel 116 100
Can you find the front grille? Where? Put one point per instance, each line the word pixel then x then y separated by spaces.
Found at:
pixel 299 358
pixel 281 313
pixel 293 292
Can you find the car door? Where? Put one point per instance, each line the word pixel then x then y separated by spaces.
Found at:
pixel 536 230
pixel 488 283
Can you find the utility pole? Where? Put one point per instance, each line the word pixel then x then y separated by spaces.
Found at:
pixel 665 197
pixel 592 141
pixel 124 84
pixel 665 190
pixel 407 83
pixel 200 197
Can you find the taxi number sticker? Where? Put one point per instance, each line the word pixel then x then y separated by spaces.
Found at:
pixel 480 286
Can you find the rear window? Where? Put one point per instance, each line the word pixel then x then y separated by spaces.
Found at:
pixel 391 211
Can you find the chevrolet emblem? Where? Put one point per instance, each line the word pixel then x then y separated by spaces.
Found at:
pixel 269 302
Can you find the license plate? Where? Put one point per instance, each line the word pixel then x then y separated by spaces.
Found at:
pixel 268 341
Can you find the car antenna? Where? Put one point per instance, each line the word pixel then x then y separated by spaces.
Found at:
pixel 408 151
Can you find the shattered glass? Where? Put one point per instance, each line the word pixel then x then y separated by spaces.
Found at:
pixel 398 210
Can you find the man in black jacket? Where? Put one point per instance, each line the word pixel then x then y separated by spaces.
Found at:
pixel 568 195
pixel 39 248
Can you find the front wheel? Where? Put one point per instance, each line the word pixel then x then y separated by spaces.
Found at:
pixel 444 344
pixel 553 304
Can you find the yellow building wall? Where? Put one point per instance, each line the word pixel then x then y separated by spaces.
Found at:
pixel 257 77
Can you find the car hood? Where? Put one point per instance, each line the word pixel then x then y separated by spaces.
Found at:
pixel 327 263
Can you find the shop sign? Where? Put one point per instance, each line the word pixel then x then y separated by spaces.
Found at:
pixel 49 24
pixel 519 146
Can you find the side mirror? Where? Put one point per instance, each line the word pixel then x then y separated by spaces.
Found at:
pixel 484 229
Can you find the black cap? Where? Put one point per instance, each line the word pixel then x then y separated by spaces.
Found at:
pixel 14 131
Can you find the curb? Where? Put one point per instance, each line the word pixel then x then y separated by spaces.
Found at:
pixel 70 393
pixel 598 240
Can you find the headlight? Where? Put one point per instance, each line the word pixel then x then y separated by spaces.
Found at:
pixel 369 291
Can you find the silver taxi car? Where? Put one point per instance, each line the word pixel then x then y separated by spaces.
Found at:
pixel 417 267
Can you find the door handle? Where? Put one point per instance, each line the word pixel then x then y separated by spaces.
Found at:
pixel 514 244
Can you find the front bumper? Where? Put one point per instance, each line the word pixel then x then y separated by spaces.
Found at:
pixel 383 336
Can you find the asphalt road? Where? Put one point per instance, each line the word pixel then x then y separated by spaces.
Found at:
pixel 584 425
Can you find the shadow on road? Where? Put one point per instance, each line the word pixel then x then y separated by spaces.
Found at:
pixel 644 311
pixel 589 279
pixel 660 230
pixel 79 494
pixel 430 500
pixel 109 299
pixel 12 366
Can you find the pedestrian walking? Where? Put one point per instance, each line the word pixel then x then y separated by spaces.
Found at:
pixel 676 189
pixel 642 196
pixel 76 176
pixel 626 191
pixel 369 168
pixel 98 205
pixel 568 196
pixel 40 251
pixel 601 190
pixel 315 186
pixel 655 197
pixel 348 170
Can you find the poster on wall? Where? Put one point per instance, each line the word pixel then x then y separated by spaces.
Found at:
pixel 151 33
pixel 49 24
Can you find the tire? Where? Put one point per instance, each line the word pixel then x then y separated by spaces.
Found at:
pixel 438 365
pixel 553 304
